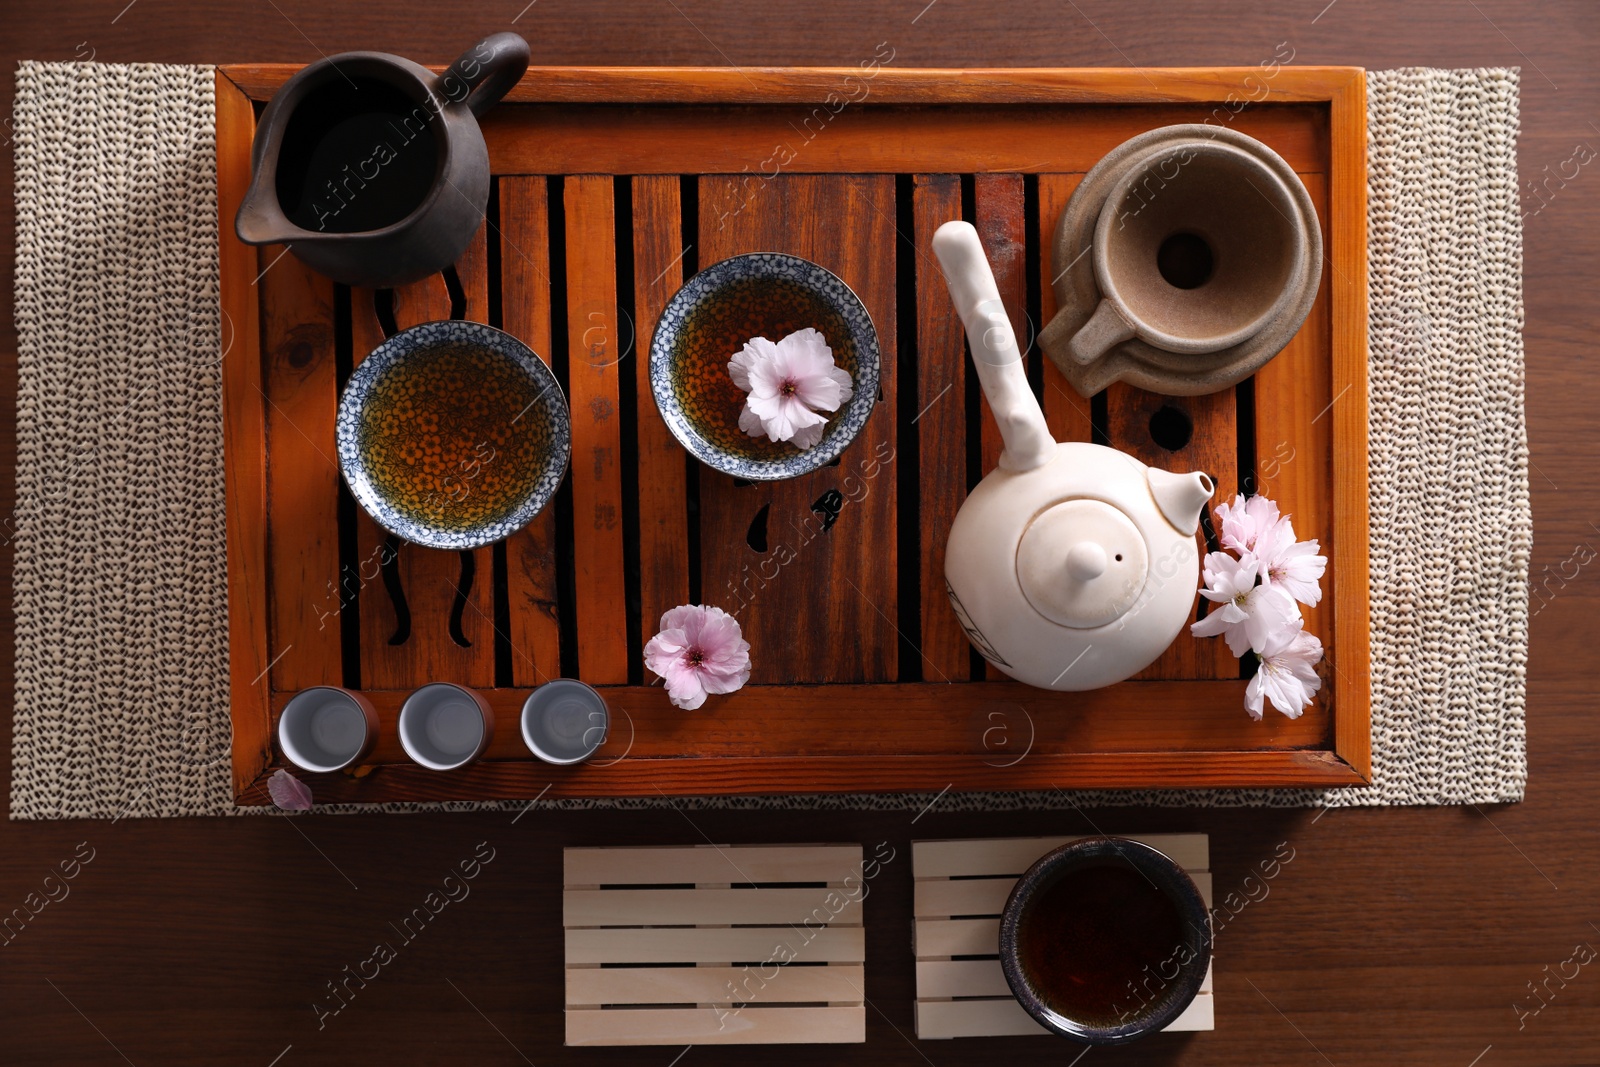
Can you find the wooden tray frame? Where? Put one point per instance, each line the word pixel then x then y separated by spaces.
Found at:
pixel 993 124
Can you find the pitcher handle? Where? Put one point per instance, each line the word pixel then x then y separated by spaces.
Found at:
pixel 485 72
pixel 1106 327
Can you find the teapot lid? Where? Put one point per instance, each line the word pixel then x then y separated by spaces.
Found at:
pixel 1082 563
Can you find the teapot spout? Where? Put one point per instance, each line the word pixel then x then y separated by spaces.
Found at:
pixel 1181 497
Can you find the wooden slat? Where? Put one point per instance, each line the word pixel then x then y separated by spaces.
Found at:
pixel 833 984
pixel 745 775
pixel 1347 245
pixel 1214 449
pixel 938 979
pixel 913 720
pixel 593 337
pixel 889 85
pixel 1294 433
pixel 428 576
pixel 941 428
pixel 306 593
pixel 710 907
pixel 244 450
pixel 658 256
pixel 745 944
pixel 843 580
pixel 535 630
pixel 472 269
pixel 943 979
pixel 543 139
pixel 937 1019
pixel 969 897
pixel 709 1026
pixel 1014 855
pixel 725 864
pixel 956 937
pixel 1003 230
pixel 973 897
pixel 1065 411
pixel 427 300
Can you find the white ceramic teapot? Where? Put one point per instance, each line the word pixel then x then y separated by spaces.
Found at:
pixel 1071 566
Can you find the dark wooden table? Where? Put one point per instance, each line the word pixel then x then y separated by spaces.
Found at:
pixel 1394 935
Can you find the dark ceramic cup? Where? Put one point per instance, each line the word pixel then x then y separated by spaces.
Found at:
pixel 1105 940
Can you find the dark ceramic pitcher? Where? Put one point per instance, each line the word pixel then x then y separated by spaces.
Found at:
pixel 372 168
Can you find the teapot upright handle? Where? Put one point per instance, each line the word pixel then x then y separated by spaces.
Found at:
pixel 993 343
pixel 485 72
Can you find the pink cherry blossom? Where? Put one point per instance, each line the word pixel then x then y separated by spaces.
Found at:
pixel 755 350
pixel 1244 521
pixel 1246 613
pixel 788 384
pixel 699 650
pixel 1292 565
pixel 1255 594
pixel 1287 673
pixel 289 792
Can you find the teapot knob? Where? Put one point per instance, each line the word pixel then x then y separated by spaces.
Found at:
pixel 1086 561
pixel 1082 563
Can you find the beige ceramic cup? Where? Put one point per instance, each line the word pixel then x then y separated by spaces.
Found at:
pixel 1199 246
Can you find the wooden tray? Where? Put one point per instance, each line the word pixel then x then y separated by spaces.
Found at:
pixel 612 187
pixel 961 890
pixel 715 945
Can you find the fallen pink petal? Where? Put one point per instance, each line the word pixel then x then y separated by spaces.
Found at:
pixel 289 792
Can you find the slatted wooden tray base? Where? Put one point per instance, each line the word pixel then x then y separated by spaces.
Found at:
pixel 714 944
pixel 968 997
pixel 611 188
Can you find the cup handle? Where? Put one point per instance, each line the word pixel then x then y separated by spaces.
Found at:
pixel 485 72
pixel 1106 327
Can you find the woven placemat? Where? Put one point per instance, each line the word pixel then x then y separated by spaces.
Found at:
pixel 122 665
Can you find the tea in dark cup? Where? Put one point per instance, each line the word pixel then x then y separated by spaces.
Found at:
pixel 1105 940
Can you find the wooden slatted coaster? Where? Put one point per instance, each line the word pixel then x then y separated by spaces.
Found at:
pixel 714 944
pixel 961 889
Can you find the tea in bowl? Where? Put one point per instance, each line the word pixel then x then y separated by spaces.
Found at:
pixel 1105 940
pixel 453 434
pixel 719 310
